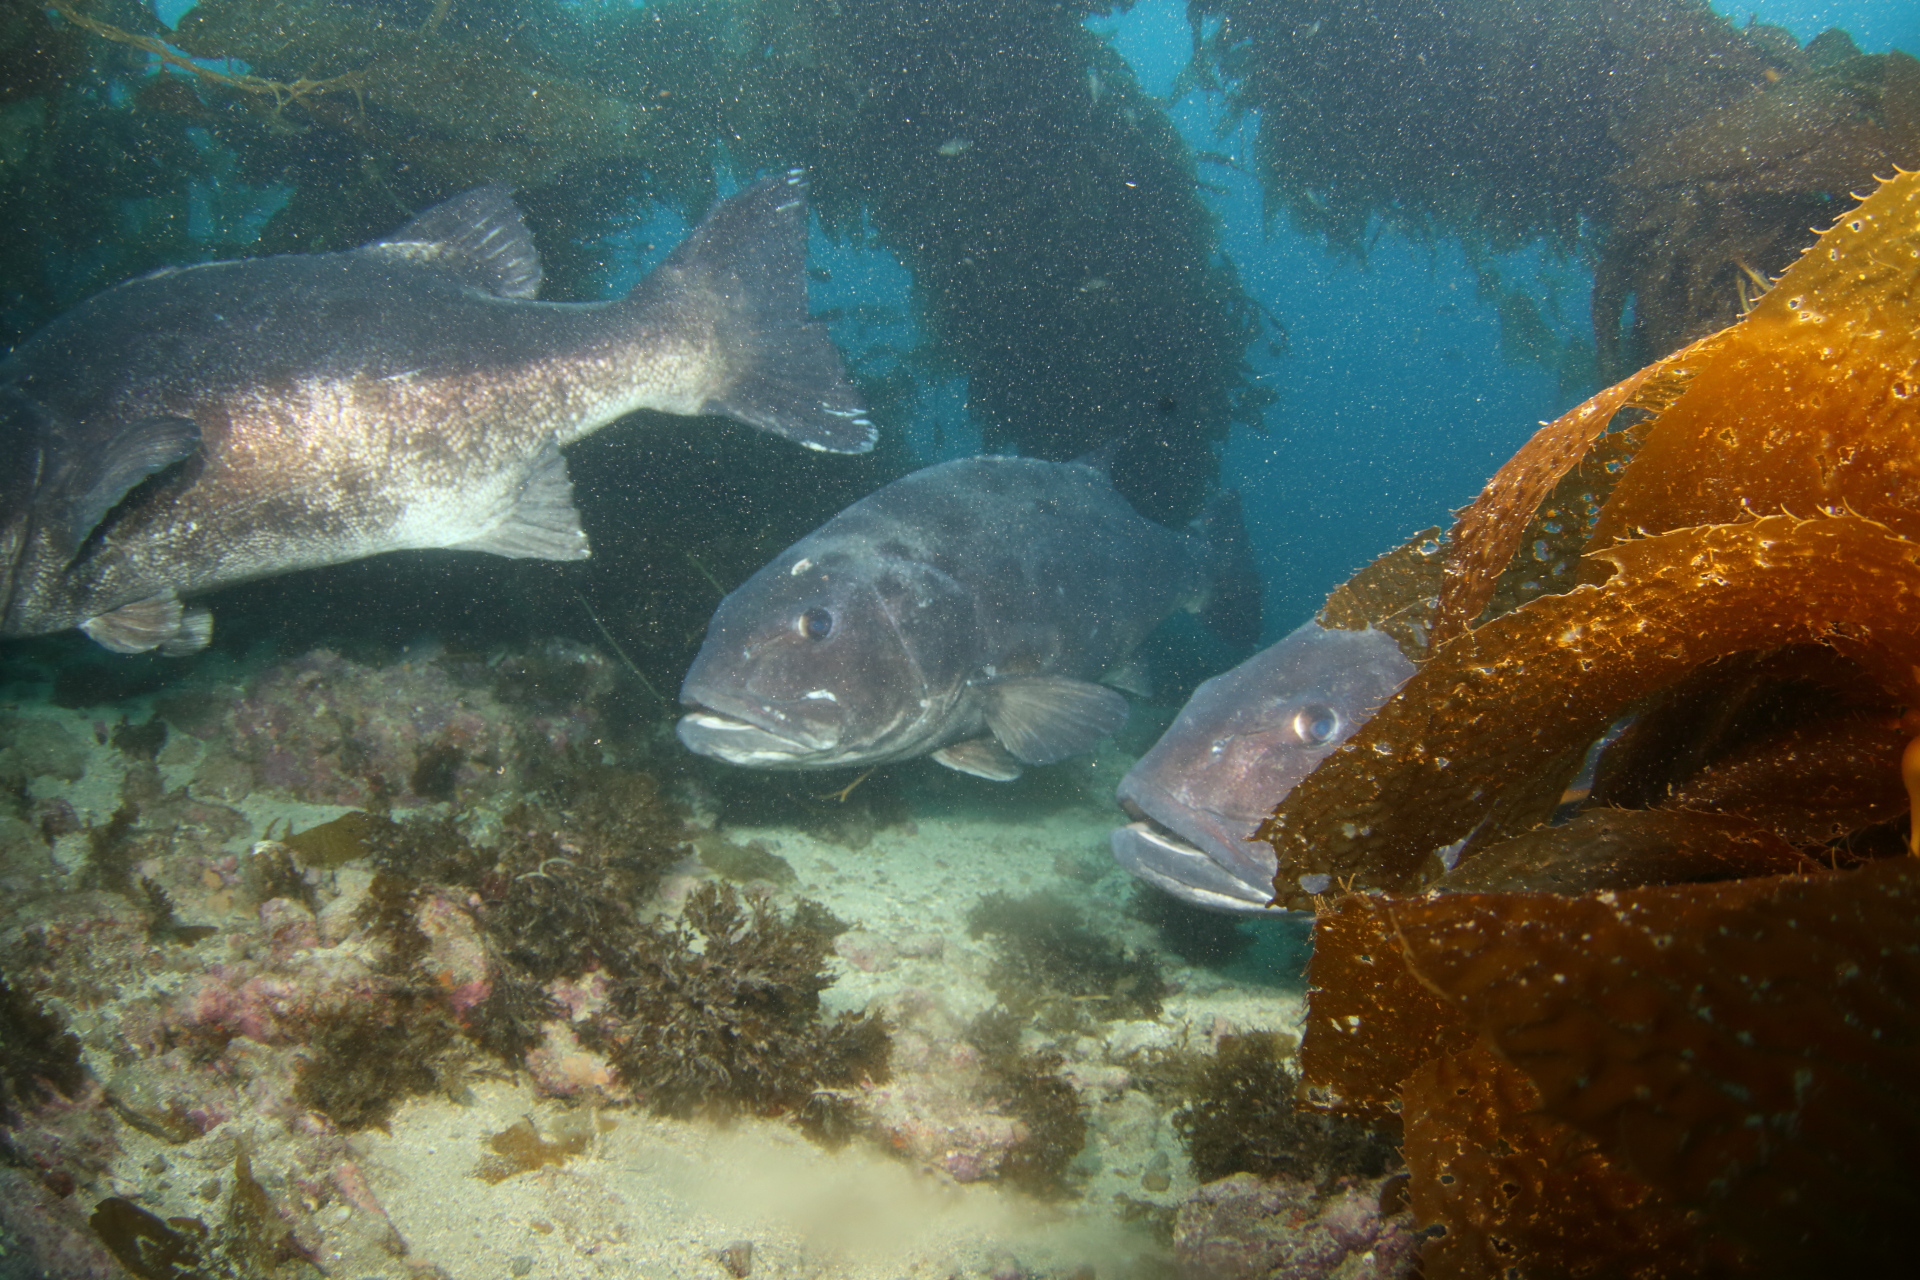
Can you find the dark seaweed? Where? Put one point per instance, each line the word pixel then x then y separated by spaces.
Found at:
pixel 366 1056
pixel 1242 1119
pixel 251 1242
pixel 436 771
pixel 1029 1087
pixel 721 1012
pixel 39 1057
pixel 1050 965
pixel 141 741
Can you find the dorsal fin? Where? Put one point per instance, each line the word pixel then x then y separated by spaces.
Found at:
pixel 478 238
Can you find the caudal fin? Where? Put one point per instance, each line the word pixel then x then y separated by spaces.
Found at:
pixel 745 269
pixel 1232 610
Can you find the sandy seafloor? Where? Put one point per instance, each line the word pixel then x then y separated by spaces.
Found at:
pixel 655 1197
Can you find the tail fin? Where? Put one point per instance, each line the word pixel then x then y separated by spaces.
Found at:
pixel 746 266
pixel 1232 611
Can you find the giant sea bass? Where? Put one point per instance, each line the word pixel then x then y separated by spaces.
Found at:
pixel 206 425
pixel 968 611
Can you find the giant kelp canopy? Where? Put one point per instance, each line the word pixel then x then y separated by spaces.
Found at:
pixel 1682 157
pixel 1671 1035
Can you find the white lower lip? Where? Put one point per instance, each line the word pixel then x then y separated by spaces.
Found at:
pixel 723 724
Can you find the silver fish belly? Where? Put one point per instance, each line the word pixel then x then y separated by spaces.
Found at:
pixel 208 425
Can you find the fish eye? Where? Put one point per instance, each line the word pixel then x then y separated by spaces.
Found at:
pixel 815 624
pixel 1315 724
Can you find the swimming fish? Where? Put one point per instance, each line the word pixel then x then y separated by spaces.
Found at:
pixel 1243 741
pixel 967 611
pixel 210 424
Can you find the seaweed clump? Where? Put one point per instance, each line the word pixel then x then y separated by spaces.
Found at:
pixel 1671 1033
pixel 558 894
pixel 719 1010
pixel 39 1057
pixel 363 1057
pixel 1030 1088
pixel 1050 966
pixel 250 1242
pixel 1242 1118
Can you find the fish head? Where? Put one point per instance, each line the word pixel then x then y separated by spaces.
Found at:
pixel 1243 741
pixel 828 657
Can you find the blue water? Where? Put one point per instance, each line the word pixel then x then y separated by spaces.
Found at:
pixel 1395 402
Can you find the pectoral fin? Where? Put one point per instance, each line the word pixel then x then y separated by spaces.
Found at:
pixel 1041 719
pixel 542 524
pixel 1131 676
pixel 981 757
pixel 160 622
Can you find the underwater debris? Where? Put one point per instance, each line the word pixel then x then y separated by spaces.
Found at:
pixel 1051 967
pixel 522 1148
pixel 719 1010
pixel 1665 1037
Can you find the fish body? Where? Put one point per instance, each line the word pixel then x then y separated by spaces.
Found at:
pixel 967 611
pixel 1244 740
pixel 212 424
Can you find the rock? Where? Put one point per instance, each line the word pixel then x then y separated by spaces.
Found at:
pixel 1248 1228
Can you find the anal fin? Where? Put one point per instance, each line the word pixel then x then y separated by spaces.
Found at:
pixel 981 757
pixel 542 523
pixel 158 622
pixel 1041 719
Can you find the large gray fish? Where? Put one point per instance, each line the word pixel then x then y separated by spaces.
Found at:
pixel 1243 741
pixel 965 611
pixel 202 426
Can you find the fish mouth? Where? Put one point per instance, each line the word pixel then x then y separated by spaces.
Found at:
pixel 1206 863
pixel 747 734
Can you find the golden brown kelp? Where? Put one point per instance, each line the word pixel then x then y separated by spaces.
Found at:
pixel 1695 1079
pixel 1788 431
pixel 1669 1038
